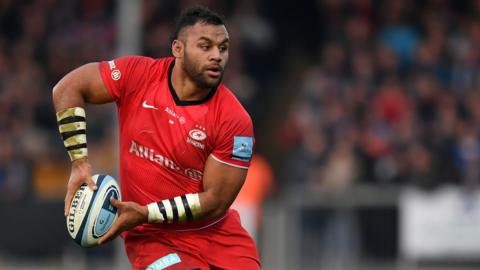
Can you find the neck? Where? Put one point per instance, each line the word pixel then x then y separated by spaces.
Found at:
pixel 184 87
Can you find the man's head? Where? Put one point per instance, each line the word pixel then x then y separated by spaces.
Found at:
pixel 200 44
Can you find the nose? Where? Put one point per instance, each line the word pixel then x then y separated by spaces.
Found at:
pixel 215 55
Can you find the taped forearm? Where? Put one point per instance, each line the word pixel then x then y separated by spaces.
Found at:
pixel 72 126
pixel 179 209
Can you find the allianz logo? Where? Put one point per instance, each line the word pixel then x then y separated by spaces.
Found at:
pixel 151 155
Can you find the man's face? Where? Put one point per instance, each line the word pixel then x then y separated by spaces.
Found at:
pixel 205 53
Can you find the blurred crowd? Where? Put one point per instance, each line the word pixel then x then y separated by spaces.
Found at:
pixel 389 93
pixel 40 41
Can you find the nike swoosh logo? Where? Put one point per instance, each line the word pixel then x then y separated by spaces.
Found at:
pixel 145 105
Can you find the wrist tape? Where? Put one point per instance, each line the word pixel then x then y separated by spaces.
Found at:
pixel 73 128
pixel 175 210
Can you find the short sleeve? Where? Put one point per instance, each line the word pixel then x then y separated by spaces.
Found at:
pixel 235 143
pixel 124 75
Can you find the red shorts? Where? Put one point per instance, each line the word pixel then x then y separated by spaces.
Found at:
pixel 223 245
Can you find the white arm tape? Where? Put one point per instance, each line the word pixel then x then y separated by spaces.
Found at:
pixel 154 215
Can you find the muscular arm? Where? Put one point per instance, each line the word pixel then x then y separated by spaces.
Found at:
pixel 82 85
pixel 221 184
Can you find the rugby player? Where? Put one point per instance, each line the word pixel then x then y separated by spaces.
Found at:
pixel 185 148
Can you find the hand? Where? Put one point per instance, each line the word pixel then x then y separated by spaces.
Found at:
pixel 130 214
pixel 81 173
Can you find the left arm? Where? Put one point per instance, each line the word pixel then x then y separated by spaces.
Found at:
pixel 221 184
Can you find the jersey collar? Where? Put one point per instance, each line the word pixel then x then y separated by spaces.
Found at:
pixel 177 100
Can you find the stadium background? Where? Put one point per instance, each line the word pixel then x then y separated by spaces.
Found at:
pixel 365 111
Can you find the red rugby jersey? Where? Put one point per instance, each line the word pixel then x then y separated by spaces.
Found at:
pixel 165 142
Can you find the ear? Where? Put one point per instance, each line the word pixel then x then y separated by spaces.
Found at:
pixel 178 48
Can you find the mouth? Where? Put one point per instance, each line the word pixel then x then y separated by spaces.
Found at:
pixel 214 71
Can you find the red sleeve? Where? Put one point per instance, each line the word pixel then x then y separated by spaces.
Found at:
pixel 234 144
pixel 124 75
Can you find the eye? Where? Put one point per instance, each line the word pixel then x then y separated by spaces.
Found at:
pixel 223 48
pixel 204 47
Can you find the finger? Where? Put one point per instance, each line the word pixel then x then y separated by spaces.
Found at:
pixel 90 183
pixel 115 202
pixel 68 202
pixel 111 234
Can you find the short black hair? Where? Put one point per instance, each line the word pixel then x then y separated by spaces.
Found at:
pixel 192 15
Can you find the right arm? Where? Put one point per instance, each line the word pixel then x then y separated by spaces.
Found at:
pixel 80 86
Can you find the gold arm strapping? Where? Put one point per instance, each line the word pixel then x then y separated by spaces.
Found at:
pixel 78 153
pixel 72 126
pixel 74 140
pixel 75 111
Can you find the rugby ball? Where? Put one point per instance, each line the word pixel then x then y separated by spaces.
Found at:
pixel 91 213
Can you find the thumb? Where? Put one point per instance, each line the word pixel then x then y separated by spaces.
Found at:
pixel 114 202
pixel 90 183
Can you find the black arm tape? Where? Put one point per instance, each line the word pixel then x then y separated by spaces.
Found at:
pixel 188 211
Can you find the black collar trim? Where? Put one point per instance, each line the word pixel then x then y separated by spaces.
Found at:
pixel 177 100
